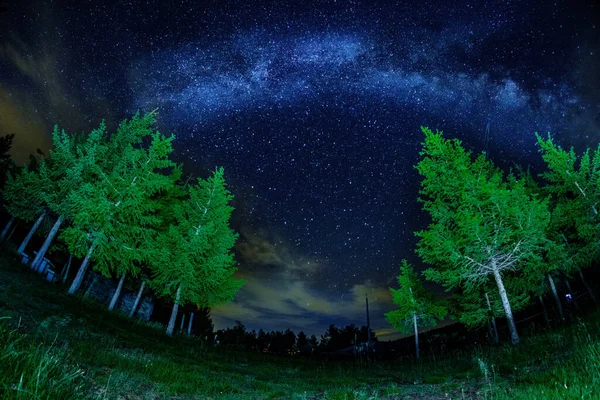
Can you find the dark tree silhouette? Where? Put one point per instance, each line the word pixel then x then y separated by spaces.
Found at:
pixel 302 340
pixel 6 163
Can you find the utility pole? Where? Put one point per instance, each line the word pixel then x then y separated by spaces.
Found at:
pixel 368 329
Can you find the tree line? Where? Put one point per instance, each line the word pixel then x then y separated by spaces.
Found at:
pixel 117 201
pixel 498 240
pixel 288 343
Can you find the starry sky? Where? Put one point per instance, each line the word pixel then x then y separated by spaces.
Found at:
pixel 313 107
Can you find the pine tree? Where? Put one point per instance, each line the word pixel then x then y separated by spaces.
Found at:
pixel 482 224
pixel 539 272
pixel 417 306
pixel 6 163
pixel 482 305
pixel 23 200
pixel 71 164
pixel 115 214
pixel 573 183
pixel 193 260
pixel 302 340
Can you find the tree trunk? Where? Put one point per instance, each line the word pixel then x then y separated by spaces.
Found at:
pixel 42 252
pixel 7 227
pixel 137 300
pixel 171 326
pixel 416 334
pixel 544 309
pixel 81 272
pixel 12 231
pixel 588 287
pixel 573 299
pixel 496 338
pixel 514 335
pixel 115 297
pixel 556 298
pixel 190 324
pixel 33 229
pixel 66 269
pixel 182 321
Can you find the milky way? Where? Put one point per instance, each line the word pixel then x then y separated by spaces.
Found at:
pixel 314 110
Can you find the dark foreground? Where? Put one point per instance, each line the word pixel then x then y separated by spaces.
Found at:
pixel 56 347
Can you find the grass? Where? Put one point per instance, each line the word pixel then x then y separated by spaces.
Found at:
pixel 53 346
pixel 36 371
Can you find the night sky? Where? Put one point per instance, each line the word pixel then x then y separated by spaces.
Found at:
pixel 313 108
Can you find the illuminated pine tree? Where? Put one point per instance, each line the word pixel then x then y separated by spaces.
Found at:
pixel 482 305
pixel 482 224
pixel 573 183
pixel 193 260
pixel 22 199
pixel 539 272
pixel 115 213
pixel 70 164
pixel 417 306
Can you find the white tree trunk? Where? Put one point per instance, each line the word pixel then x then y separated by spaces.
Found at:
pixel 556 298
pixel 42 252
pixel 81 272
pixel 137 300
pixel 12 231
pixel 7 227
pixel 182 322
pixel 544 309
pixel 65 272
pixel 117 293
pixel 588 287
pixel 416 334
pixel 33 229
pixel 514 335
pixel 171 325
pixel 190 324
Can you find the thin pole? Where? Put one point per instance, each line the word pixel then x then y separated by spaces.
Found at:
pixel 368 327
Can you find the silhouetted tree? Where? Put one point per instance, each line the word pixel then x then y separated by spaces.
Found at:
pixel 203 326
pixel 302 340
pixel 6 163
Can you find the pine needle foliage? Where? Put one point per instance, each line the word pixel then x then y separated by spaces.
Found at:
pixel 193 255
pixel 574 183
pixel 22 194
pixel 413 300
pixel 482 223
pixel 116 209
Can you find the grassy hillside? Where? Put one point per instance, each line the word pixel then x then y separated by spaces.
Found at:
pixel 53 346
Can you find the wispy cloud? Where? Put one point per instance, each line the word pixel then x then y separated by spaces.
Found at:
pixel 277 303
pixel 44 88
pixel 272 254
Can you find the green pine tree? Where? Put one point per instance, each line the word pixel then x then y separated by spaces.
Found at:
pixel 193 259
pixel 482 224
pixel 23 200
pixel 573 183
pixel 115 213
pixel 539 272
pixel 417 306
pixel 482 305
pixel 71 163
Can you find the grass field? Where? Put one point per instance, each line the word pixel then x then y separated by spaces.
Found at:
pixel 58 347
